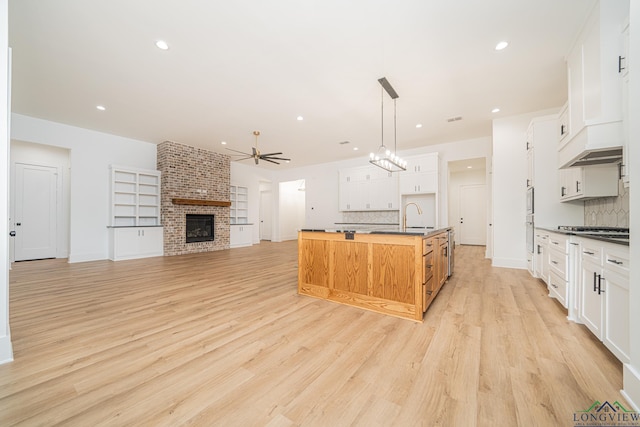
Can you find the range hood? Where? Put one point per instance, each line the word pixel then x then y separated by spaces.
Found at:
pixel 594 144
pixel 598 157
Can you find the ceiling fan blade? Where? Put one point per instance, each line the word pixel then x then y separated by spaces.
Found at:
pixel 270 154
pixel 241 152
pixel 269 160
pixel 242 158
pixel 275 158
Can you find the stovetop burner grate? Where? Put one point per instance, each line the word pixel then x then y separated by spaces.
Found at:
pixel 593 228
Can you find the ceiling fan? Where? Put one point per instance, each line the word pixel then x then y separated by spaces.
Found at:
pixel 256 155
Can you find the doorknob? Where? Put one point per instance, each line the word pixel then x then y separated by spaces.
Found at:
pixel 18 224
pixel 461 221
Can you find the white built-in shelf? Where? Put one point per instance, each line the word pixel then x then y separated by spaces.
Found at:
pixel 135 197
pixel 239 210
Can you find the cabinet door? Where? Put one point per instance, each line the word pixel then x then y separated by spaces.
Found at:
pixel 616 321
pixel 530 166
pixel 592 301
pixel 150 242
pixel 126 242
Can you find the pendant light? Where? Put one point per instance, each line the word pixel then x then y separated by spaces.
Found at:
pixel 384 158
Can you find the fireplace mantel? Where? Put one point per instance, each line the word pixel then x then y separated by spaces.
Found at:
pixel 199 202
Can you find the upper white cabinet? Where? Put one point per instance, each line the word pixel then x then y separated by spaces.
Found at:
pixel 135 197
pixel 595 87
pixel 588 182
pixel 542 175
pixel 367 188
pixel 421 175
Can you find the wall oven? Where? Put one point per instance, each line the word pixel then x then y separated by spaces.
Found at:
pixel 530 201
pixel 530 234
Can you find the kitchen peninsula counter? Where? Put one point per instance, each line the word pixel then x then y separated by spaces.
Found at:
pixel 390 272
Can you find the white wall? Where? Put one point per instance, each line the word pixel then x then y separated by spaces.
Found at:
pixel 6 351
pixel 631 372
pixel 508 182
pixel 44 155
pixel 291 209
pixel 250 176
pixel 91 153
pixel 322 180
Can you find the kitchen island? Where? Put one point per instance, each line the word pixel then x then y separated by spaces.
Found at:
pixel 394 273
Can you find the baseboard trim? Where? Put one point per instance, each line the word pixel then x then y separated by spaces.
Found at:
pixel 631 386
pixel 6 350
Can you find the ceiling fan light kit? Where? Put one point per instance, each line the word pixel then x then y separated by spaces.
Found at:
pixel 256 155
pixel 384 158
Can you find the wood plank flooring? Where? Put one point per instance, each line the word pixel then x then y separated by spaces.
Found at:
pixel 222 339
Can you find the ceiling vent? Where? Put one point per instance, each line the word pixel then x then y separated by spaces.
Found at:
pixel 454 119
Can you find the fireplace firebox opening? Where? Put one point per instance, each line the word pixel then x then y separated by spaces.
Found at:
pixel 200 228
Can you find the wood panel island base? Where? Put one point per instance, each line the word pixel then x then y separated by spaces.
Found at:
pixel 395 274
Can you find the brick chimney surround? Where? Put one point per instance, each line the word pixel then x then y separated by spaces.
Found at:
pixel 193 175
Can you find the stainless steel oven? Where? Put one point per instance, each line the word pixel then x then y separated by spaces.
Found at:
pixel 530 204
pixel 530 234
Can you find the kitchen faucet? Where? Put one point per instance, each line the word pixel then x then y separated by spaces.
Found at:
pixel 404 218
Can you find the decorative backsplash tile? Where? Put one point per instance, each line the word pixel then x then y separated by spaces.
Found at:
pixel 385 217
pixel 608 211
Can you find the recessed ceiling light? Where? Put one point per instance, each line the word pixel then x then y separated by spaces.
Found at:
pixel 419 125
pixel 502 45
pixel 355 148
pixel 495 110
pixel 161 44
pixel 300 118
pixel 469 167
pixel 100 107
pixel 223 142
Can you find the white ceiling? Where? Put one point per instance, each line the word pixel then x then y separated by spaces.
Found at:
pixel 235 67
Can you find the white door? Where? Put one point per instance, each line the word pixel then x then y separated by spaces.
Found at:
pixel 35 212
pixel 471 229
pixel 265 215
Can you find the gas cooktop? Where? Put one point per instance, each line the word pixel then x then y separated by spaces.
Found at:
pixel 613 232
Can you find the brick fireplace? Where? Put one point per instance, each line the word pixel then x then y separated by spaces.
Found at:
pixel 194 174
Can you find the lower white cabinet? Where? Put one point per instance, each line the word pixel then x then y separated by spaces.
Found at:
pixel 558 245
pixel 541 262
pixel 241 235
pixel 135 242
pixel 604 289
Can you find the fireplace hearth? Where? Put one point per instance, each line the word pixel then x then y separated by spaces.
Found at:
pixel 199 228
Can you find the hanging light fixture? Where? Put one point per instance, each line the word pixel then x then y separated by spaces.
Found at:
pixel 384 158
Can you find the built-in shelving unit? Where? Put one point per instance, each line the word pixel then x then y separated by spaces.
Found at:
pixel 135 197
pixel 239 210
pixel 134 219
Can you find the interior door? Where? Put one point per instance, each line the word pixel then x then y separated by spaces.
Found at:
pixel 473 215
pixel 265 215
pixel 35 211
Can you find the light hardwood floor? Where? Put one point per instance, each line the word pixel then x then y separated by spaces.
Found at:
pixel 222 339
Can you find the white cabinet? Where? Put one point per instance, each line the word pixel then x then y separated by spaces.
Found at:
pixel 367 188
pixel 134 214
pixel 595 85
pixel 541 261
pixel 604 289
pixel 241 235
pixel 239 209
pixel 135 197
pixel 588 182
pixel 624 65
pixel 421 175
pixel 563 124
pixel 135 242
pixel 558 283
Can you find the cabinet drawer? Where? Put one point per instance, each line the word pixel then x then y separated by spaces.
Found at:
pixel 558 288
pixel 617 260
pixel 558 264
pixel 427 270
pixel 559 242
pixel 590 251
pixel 427 246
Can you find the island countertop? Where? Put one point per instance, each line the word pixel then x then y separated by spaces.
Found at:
pixel 394 272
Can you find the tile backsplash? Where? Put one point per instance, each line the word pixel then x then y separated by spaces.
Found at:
pixel 608 211
pixel 384 217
